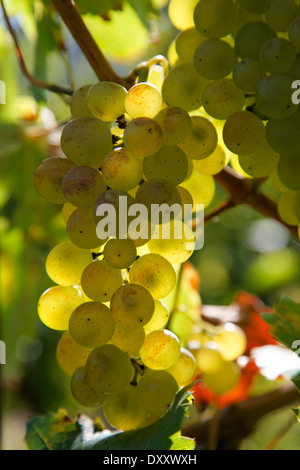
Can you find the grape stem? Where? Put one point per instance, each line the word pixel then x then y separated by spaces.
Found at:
pixel 33 80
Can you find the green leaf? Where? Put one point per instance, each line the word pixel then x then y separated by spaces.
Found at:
pixel 297 413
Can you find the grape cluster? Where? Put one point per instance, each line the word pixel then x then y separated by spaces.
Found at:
pixel 224 97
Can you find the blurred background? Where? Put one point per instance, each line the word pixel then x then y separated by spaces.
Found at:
pixel 242 251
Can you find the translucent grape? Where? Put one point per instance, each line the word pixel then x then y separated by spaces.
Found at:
pixel 283 135
pixel 81 229
pixel 280 14
pixel 161 349
pixel 277 55
pixel 187 42
pixel 108 369
pixel 120 253
pixel 221 98
pixel 132 305
pixel 274 96
pixel 56 304
pixel 254 6
pixel 213 164
pixel 67 210
pixel 82 391
pixel 214 59
pixel 243 133
pixel 186 197
pixel 286 207
pixel 82 185
pixel 143 136
pixel 159 318
pixel 251 37
pixel 175 124
pixel 122 169
pixel 224 379
pixel 181 13
pixel 208 358
pixel 143 100
pixel 99 281
pixel 214 18
pixel 106 100
pixel 169 163
pixel 261 163
pixel 183 87
pixel 247 74
pixel 70 355
pixel 289 170
pixel 294 33
pixel 201 187
pixel 86 141
pixel 157 389
pixel 155 273
pixel 78 104
pixel 65 263
pixel 91 324
pixel 124 409
pixel 184 368
pixel 129 340
pixel 231 340
pixel 48 177
pixel 202 141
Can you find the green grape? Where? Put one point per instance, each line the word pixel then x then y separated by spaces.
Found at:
pixel 174 241
pixel 67 210
pixel 213 164
pixel 124 409
pixel 70 355
pixel 277 55
pixel 56 304
pixel 221 98
pixel 78 104
pixel 159 318
pixel 186 197
pixel 99 281
pixel 143 136
pixel 224 379
pixel 187 42
pixel 143 100
pixel 48 177
pixel 86 141
pixel 108 369
pixel 132 305
pixel 214 59
pixel 243 133
pixel 91 324
pixel 81 229
pixel 295 70
pixel 294 33
pixel 202 141
pixel 169 163
pixel 82 185
pixel 286 207
pixel 276 183
pixel 65 263
pixel 111 210
pixel 129 340
pixel 244 17
pixel 261 163
pixel 106 100
pixel 251 37
pixel 157 389
pixel 122 169
pixel 280 14
pixel 283 135
pixel 254 6
pixel 155 273
pixel 231 341
pixel 289 170
pixel 247 74
pixel 214 18
pixel 201 187
pixel 161 349
pixel 183 87
pixel 120 253
pixel 175 124
pixel 181 13
pixel 82 391
pixel 184 368
pixel 274 96
pixel 208 358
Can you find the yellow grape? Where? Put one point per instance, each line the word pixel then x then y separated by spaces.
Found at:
pixel 224 379
pixel 82 185
pixel 129 340
pixel 143 136
pixel 48 178
pixel 122 169
pixel 175 124
pixel 143 100
pixel 81 229
pixel 184 368
pixel 159 318
pixel 243 133
pixel 106 100
pixel 78 104
pixel 99 281
pixel 209 358
pixel 157 389
pixel 161 349
pixel 82 391
pixel 70 355
pixel 231 341
pixel 120 253
pixel 124 410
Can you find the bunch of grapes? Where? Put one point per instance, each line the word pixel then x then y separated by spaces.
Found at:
pixel 224 97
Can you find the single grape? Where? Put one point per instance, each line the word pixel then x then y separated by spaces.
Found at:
pixel 251 37
pixel 280 14
pixel 161 349
pixel 277 55
pixel 294 33
pixel 99 281
pixel 184 368
pixel 169 163
pixel 175 124
pixel 243 133
pixel 143 136
pixel 187 42
pixel 159 318
pixel 247 74
pixel 48 177
pixel 120 253
pixel 214 18
pixel 82 185
pixel 213 164
pixel 274 96
pixel 286 208
pixel 202 141
pixel 124 409
pixel 67 210
pixel 81 229
pixel 224 379
pixel 157 389
pixel 221 98
pixel 82 391
pixel 181 13
pixel 143 100
pixel 231 341
pixel 122 169
pixel 261 163
pixel 201 187
pixel 289 170
pixel 78 104
pixel 283 135
pixel 208 358
pixel 129 340
pixel 214 59
pixel 56 304
pixel 105 100
pixel 70 355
